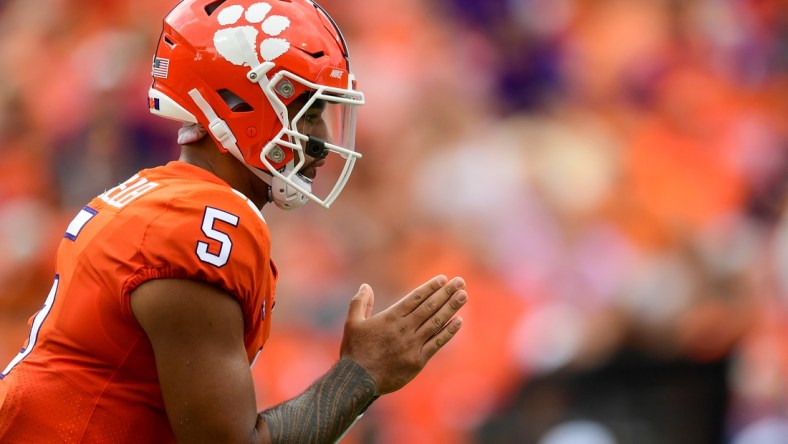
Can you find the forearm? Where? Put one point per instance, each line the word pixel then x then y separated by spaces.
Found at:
pixel 325 410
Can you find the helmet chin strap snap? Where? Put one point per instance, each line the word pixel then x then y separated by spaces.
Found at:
pixel 287 197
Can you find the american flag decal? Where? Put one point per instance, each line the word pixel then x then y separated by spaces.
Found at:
pixel 161 67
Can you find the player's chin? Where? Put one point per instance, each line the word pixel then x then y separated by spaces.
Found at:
pixel 310 173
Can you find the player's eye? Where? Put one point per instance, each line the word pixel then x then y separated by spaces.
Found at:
pixel 312 118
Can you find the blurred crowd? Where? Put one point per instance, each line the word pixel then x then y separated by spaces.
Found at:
pixel 608 175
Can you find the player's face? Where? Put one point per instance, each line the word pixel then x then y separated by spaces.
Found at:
pixel 311 124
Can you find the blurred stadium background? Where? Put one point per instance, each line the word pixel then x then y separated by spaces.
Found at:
pixel 608 175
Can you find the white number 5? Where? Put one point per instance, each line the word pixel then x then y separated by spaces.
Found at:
pixel 210 231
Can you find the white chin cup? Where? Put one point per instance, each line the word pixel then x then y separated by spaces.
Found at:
pixel 286 196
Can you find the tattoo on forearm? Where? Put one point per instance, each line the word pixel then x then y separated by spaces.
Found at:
pixel 326 409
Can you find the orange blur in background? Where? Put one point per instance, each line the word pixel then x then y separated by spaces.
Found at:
pixel 608 176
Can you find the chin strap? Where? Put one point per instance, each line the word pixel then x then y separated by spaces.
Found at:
pixel 284 195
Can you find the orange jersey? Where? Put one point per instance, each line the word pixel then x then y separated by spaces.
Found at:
pixel 87 372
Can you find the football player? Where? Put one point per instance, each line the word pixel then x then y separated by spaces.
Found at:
pixel 164 284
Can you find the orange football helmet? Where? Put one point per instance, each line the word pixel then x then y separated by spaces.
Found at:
pixel 216 54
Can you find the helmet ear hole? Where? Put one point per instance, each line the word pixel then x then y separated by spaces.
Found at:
pixel 211 7
pixel 234 102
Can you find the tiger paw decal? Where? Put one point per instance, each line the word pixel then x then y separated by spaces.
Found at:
pixel 250 22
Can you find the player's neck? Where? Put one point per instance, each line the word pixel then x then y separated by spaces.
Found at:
pixel 206 155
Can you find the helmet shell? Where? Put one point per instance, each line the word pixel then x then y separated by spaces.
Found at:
pixel 196 50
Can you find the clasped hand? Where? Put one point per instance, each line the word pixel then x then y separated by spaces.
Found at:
pixel 394 345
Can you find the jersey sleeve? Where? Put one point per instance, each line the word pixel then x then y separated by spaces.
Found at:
pixel 210 236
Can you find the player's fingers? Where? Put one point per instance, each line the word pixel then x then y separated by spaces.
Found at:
pixel 441 338
pixel 439 318
pixel 406 305
pixel 361 304
pixel 436 300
